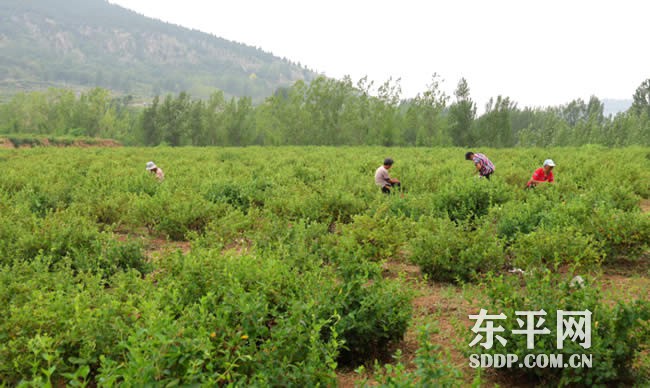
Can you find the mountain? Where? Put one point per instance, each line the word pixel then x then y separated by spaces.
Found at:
pixel 86 43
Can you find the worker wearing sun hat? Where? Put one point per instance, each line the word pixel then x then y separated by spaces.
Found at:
pixel 543 174
pixel 152 168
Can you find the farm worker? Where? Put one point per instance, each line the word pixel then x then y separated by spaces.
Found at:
pixel 383 180
pixel 152 168
pixel 542 174
pixel 484 166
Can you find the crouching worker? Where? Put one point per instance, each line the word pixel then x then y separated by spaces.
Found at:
pixel 383 180
pixel 152 168
pixel 543 174
pixel 484 166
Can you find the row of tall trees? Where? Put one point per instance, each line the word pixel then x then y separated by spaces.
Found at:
pixel 329 112
pixel 61 112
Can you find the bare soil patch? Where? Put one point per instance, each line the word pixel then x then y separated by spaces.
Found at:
pixel 447 306
pixel 645 205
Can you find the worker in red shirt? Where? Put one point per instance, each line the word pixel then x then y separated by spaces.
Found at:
pixel 542 174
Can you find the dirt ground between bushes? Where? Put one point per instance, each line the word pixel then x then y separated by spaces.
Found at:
pixel 444 305
pixel 645 205
pixel 447 307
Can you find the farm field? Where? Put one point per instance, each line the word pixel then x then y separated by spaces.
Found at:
pixel 287 266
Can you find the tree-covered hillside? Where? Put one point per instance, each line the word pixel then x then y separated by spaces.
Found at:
pixel 87 43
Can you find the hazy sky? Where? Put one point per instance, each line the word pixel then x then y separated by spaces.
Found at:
pixel 538 53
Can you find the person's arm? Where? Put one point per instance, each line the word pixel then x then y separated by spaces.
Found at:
pixel 478 165
pixel 390 180
pixel 539 178
pixel 387 179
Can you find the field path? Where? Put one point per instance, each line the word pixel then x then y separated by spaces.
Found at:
pixel 645 205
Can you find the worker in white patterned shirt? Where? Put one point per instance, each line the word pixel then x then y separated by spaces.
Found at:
pixel 383 180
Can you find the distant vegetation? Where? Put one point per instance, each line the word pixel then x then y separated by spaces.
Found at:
pixel 81 44
pixel 29 141
pixel 90 68
pixel 326 112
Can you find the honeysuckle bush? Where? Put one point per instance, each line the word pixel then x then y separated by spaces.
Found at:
pixel 66 234
pixel 201 318
pixel 619 331
pixel 431 369
pixel 451 252
pixel 55 317
pixel 284 282
pixel 469 199
pixel 623 235
pixel 550 247
pixel 377 236
pixel 227 321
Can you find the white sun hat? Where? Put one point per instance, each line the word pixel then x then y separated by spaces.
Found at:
pixel 151 166
pixel 549 162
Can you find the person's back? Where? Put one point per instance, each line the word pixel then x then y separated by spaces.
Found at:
pixel 484 167
pixel 381 176
pixel 152 168
pixel 383 180
pixel 160 174
pixel 487 167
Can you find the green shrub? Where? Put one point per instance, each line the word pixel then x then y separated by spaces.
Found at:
pixel 413 206
pixel 321 204
pixel 556 246
pixel 430 369
pixel 621 234
pixel 618 196
pixel 446 251
pixel 226 192
pixel 54 319
pixel 617 332
pixel 515 218
pixel 105 210
pixel 259 317
pixel 57 235
pixel 471 200
pixel 376 237
pixel 146 211
pixel 226 225
pixel 184 214
pixel 375 313
pixel 123 256
pixel 25 141
pixel 174 214
pixel 142 183
pixel 44 199
pixel 305 245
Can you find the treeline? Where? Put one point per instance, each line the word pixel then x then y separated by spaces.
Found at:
pixel 60 112
pixel 328 112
